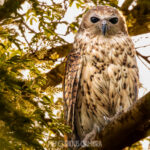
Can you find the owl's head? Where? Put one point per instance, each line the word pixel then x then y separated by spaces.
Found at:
pixel 104 20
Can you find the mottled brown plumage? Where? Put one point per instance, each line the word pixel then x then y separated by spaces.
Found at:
pixel 101 77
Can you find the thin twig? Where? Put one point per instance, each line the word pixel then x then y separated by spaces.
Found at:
pixel 28 27
pixel 143 62
pixel 21 29
pixel 21 16
pixel 142 46
pixel 146 58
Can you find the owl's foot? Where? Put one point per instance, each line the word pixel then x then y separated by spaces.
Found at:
pixel 120 110
pixel 90 136
pixel 109 119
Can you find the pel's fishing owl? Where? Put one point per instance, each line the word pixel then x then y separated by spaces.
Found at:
pixel 101 77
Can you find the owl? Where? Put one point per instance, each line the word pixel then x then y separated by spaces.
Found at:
pixel 101 76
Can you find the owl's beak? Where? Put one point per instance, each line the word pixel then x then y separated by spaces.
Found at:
pixel 104 27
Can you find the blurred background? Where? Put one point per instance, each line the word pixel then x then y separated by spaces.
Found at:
pixel 35 38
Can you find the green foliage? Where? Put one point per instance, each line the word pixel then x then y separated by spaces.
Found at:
pixel 28 118
pixel 23 104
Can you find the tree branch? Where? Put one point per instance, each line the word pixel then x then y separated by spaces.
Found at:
pixel 55 76
pixel 126 5
pixel 9 7
pixel 144 57
pixel 25 24
pixel 62 51
pixel 129 127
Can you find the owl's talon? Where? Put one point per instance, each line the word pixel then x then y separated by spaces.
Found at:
pixel 120 110
pixel 107 119
pixel 90 136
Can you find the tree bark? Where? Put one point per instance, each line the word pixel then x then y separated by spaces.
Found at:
pixel 55 76
pixel 129 127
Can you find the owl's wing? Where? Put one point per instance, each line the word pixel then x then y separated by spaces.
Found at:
pixel 71 85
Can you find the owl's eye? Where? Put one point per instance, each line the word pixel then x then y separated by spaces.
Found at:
pixel 113 20
pixel 94 19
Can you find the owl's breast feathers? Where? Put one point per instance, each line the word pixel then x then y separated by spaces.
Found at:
pixel 101 76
